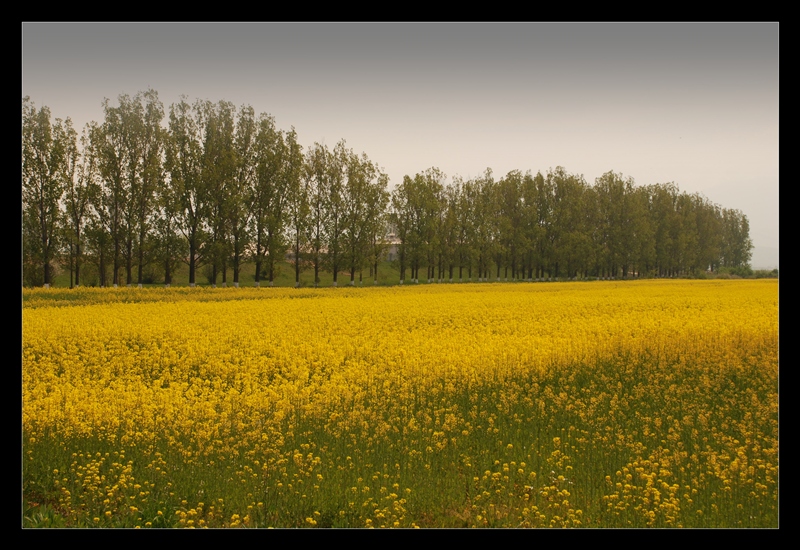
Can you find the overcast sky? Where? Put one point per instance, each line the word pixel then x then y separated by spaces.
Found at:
pixel 691 103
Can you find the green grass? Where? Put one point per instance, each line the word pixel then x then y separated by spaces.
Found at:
pixel 388 274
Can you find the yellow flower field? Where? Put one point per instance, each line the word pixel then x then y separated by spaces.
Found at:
pixel 598 404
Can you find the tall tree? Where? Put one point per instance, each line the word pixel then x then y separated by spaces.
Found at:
pixel 663 213
pixel 137 188
pixel 485 223
pixel 80 177
pixel 98 229
pixel 422 195
pixel 687 238
pixel 317 183
pixel 400 220
pixel 355 231
pixel 68 175
pixel 378 203
pixel 461 201
pixel 622 219
pixel 184 165
pixel 269 198
pixel 112 161
pixel 737 248
pixel 531 230
pixel 364 200
pixel 543 222
pixel 43 157
pixel 511 220
pixel 432 190
pixel 219 177
pixel 709 232
pixel 448 244
pixel 239 211
pixel 170 245
pixel 150 148
pixel 643 232
pixel 335 209
pixel 129 147
pixel 297 202
pixel 565 232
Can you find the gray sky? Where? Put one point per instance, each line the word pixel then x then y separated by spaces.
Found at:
pixel 691 103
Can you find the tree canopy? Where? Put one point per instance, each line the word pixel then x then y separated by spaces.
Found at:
pixel 214 186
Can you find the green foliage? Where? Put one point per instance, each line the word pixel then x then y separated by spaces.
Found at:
pixel 220 187
pixel 765 274
pixel 738 272
pixel 42 516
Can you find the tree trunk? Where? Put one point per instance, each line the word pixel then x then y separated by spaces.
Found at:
pixel 297 260
pixel 115 276
pixel 129 262
pixel 70 265
pixel 78 259
pixel 192 250
pixel 141 259
pixel 102 267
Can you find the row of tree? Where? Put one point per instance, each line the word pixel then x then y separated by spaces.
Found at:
pixel 555 225
pixel 218 186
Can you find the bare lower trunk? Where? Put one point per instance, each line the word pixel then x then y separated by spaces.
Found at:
pixel 297 261
pixel 78 262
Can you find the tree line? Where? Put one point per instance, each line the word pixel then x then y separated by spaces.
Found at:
pixel 556 225
pixel 215 187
